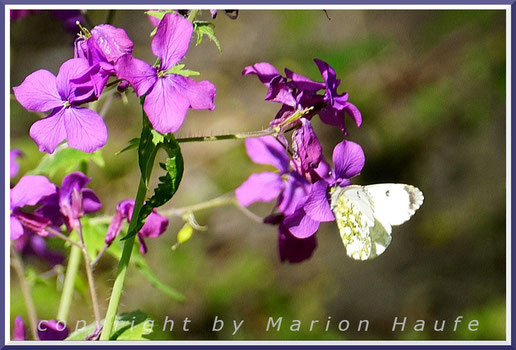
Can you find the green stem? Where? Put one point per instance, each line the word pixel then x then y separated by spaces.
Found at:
pixel 69 283
pixel 241 135
pixel 192 15
pixel 116 293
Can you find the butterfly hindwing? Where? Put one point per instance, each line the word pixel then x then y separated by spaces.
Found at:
pixel 365 214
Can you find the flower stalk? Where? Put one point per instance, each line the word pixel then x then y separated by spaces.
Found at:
pixel 69 283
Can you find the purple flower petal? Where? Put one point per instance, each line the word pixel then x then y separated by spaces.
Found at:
pixel 19 329
pixel 172 40
pixel 333 117
pixel 141 75
pixel 294 191
pixel 292 249
pixel 16 228
pixel 262 187
pixel 280 92
pixel 300 224
pixel 52 330
pixel 307 148
pixel 200 94
pixel 348 159
pixel 354 113
pixel 30 190
pixel 303 83
pixel 73 68
pixel 50 131
pixel 166 106
pixel 112 42
pixel 38 92
pixel 85 129
pixel 76 180
pixel 317 205
pixel 14 155
pixel 324 170
pixel 329 77
pixel 155 225
pixel 90 202
pixel 265 72
pixel 267 150
pixel 115 226
pixel 143 246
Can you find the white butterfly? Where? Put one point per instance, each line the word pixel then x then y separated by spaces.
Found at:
pixel 365 214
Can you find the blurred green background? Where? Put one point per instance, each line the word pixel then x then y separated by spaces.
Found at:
pixel 431 89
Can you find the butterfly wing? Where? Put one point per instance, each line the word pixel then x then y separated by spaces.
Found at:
pixel 394 204
pixel 363 236
pixel 365 214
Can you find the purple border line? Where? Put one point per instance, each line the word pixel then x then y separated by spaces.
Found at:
pixel 267 2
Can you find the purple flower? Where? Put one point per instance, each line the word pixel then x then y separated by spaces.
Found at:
pixel 287 186
pixel 29 191
pixel 154 226
pixel 19 329
pixel 307 150
pixel 102 47
pixel 52 330
pixel 298 93
pixel 168 96
pixel 292 249
pixel 41 91
pixel 348 159
pixel 15 154
pixel 31 244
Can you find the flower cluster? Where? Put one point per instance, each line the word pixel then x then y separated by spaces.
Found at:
pixel 105 52
pixel 302 185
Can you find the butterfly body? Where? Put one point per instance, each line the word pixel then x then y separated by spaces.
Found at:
pixel 365 215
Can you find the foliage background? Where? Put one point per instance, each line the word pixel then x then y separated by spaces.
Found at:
pixel 431 89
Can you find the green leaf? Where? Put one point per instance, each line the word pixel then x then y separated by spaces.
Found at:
pixel 128 326
pixel 64 160
pixel 159 14
pixel 150 142
pixel 206 28
pixel 133 143
pixel 178 69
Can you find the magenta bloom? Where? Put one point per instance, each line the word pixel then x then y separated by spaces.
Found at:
pixel 29 191
pixel 15 154
pixel 41 91
pixel 70 202
pixel 154 226
pixel 105 45
pixel 348 159
pixel 168 96
pixel 52 330
pixel 31 244
pixel 292 249
pixel 19 329
pixel 287 186
pixel 296 92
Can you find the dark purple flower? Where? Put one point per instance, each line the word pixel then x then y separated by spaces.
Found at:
pixel 69 18
pixel 168 96
pixel 52 330
pixel 29 191
pixel 348 159
pixel 298 93
pixel 15 154
pixel 31 244
pixel 102 47
pixel 307 149
pixel 287 186
pixel 41 91
pixel 75 200
pixel 292 249
pixel 19 329
pixel 154 226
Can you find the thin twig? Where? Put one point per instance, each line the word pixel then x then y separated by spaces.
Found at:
pixel 62 236
pixel 89 275
pixel 17 264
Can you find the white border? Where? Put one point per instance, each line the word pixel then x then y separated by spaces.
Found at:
pixel 507 8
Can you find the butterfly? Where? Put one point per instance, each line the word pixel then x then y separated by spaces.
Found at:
pixel 365 215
